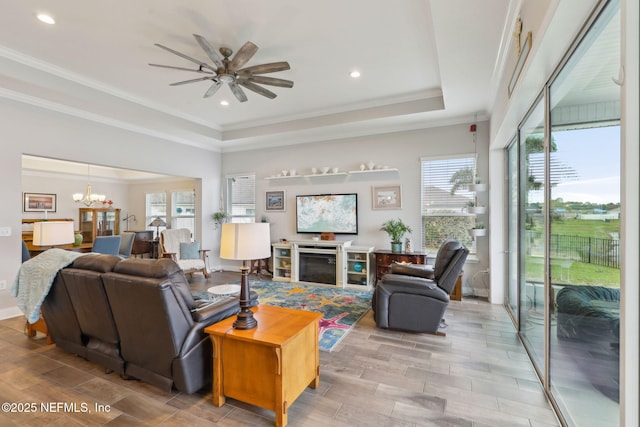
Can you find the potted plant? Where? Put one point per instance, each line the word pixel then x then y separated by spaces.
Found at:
pixel 220 218
pixel 396 229
pixel 478 230
pixel 473 209
pixel 477 186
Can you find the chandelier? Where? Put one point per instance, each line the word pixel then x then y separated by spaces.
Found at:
pixel 88 198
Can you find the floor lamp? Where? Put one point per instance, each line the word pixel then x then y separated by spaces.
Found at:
pixel 245 242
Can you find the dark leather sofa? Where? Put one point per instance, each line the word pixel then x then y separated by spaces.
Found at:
pixel 136 317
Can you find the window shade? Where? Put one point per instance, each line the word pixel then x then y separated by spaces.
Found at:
pixel 242 197
pixel 445 199
pixel 444 184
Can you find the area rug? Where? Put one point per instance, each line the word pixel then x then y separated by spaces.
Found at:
pixel 341 308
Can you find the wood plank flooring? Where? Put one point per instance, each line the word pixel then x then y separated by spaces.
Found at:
pixel 478 375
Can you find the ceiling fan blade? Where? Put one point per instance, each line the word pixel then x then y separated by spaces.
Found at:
pixel 268 81
pixel 243 55
pixel 213 89
pixel 209 50
pixel 257 89
pixel 265 68
pixel 200 70
pixel 238 92
pixel 182 55
pixel 192 81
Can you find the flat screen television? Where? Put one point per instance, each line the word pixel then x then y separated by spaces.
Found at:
pixel 327 213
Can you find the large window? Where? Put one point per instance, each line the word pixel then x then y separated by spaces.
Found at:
pixel 176 209
pixel 241 197
pixel 446 200
pixel 156 207
pixel 183 210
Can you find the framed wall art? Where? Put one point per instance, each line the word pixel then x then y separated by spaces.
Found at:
pixel 39 202
pixel 387 197
pixel 275 201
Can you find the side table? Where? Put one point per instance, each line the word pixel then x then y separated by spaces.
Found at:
pixel 270 365
pixel 385 258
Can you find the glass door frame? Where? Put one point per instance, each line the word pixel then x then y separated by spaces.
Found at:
pixel 512 174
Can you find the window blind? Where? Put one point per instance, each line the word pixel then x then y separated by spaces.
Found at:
pixel 242 197
pixel 445 200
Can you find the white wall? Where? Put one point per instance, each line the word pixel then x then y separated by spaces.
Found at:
pixel 64 187
pixel 31 130
pixel 401 150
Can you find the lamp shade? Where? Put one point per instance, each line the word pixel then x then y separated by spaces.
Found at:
pixel 246 241
pixel 157 222
pixel 51 233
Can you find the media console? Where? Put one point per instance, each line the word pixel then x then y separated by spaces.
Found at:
pixel 326 262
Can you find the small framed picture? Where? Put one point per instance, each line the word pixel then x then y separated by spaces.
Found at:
pixel 39 202
pixel 387 197
pixel 275 201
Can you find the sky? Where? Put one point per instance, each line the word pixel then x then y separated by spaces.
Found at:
pixel 594 154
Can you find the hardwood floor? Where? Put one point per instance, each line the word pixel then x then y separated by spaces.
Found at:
pixel 478 375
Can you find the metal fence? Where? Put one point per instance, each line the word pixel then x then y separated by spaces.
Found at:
pixel 591 250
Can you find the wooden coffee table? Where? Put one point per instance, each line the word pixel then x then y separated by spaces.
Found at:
pixel 268 366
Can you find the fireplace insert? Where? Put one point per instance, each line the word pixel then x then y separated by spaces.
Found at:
pixel 317 267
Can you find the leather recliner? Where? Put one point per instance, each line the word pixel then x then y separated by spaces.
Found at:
pixel 414 298
pixel 83 280
pixel 62 323
pixel 161 327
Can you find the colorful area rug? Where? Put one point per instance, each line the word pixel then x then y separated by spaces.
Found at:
pixel 341 308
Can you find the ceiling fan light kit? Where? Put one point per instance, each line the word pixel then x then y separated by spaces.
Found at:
pixel 226 70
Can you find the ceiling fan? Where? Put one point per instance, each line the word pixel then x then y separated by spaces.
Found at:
pixel 224 70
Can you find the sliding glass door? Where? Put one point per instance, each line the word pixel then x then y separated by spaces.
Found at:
pixel 532 236
pixel 584 228
pixel 564 226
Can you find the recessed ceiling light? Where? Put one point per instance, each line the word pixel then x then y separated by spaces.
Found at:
pixel 46 18
pixel 224 102
pixel 354 74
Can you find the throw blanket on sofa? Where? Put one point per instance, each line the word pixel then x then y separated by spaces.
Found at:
pixel 35 278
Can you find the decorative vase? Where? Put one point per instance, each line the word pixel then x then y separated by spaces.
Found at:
pixel 407 244
pixel 77 239
pixel 396 247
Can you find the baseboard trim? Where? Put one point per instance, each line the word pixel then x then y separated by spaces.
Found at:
pixel 7 313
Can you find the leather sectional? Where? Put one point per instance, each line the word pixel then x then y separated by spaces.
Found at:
pixel 136 317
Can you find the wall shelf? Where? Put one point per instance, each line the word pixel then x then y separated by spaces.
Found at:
pixel 285 177
pixel 325 174
pixel 374 170
pixel 334 174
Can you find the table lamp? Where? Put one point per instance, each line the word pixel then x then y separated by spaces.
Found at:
pixel 52 233
pixel 245 242
pixel 157 223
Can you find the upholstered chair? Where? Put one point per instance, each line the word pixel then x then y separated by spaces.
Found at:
pixel 126 244
pixel 414 297
pixel 109 245
pixel 177 245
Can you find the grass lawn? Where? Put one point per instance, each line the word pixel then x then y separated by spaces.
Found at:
pixel 573 272
pixel 583 227
pixel 576 272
